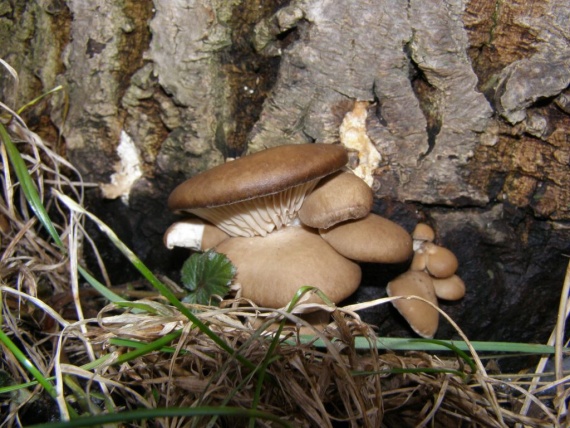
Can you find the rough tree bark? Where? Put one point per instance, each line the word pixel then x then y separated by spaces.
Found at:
pixel 468 105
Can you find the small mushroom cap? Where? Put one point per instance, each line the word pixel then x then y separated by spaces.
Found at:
pixel 423 318
pixel 258 193
pixel 193 233
pixel 370 239
pixel 339 197
pixel 263 173
pixel 423 232
pixel 441 262
pixel 271 269
pixel 452 288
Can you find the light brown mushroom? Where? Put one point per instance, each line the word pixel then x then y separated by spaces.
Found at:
pixel 440 262
pixel 339 197
pixel 451 288
pixel 258 193
pixel 422 233
pixel 419 261
pixel 423 318
pixel 271 269
pixel 193 233
pixel 370 239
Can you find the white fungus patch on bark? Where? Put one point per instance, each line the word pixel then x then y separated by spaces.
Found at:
pixel 128 170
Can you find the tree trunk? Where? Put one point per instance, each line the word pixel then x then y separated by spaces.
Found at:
pixel 466 102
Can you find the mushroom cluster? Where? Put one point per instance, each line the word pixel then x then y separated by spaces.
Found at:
pixel 286 217
pixel 431 276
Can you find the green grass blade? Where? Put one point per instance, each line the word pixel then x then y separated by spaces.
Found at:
pixel 129 343
pixel 27 364
pixel 410 344
pixel 460 353
pixel 419 370
pixel 102 289
pixel 28 187
pixel 148 348
pixel 141 414
pixel 38 99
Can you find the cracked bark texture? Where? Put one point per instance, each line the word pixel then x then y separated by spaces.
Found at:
pixel 423 136
pixel 468 105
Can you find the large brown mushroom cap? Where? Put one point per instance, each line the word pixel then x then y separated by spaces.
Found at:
pixel 260 174
pixel 271 269
pixel 370 239
pixel 423 318
pixel 257 193
pixel 339 197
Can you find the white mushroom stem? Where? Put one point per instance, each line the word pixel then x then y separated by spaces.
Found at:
pixel 186 234
pixel 194 234
pixel 258 216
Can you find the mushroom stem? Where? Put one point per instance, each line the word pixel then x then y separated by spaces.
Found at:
pixel 193 234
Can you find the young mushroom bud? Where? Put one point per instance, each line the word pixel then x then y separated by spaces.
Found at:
pixel 452 288
pixel 422 317
pixel 438 261
pixel 422 233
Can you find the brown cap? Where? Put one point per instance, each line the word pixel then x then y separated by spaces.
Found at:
pixel 440 261
pixel 271 269
pixel 423 318
pixel 263 173
pixel 255 194
pixel 452 288
pixel 423 232
pixel 339 197
pixel 370 239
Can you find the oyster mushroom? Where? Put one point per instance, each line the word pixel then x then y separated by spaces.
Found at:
pixel 339 197
pixel 422 233
pixel 272 268
pixel 438 261
pixel 423 318
pixel 258 193
pixel 434 266
pixel 451 288
pixel 370 239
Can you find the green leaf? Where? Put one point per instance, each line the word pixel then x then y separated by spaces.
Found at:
pixel 205 275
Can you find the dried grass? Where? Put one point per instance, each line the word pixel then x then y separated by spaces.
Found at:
pixel 45 311
pixel 309 385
